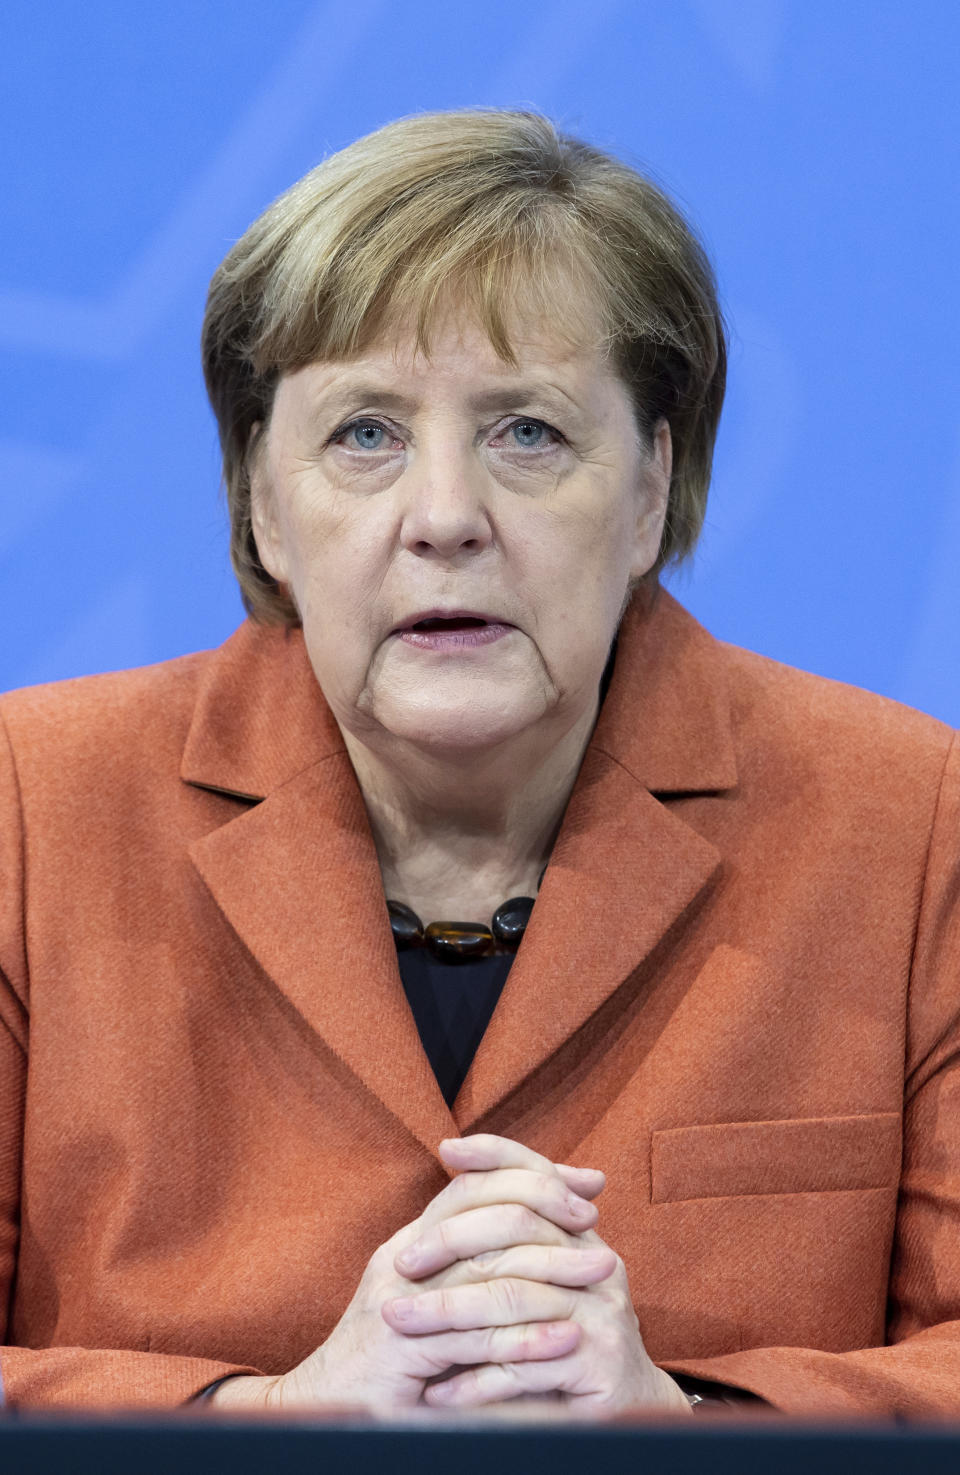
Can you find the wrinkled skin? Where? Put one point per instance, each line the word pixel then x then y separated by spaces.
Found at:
pixel 501 1290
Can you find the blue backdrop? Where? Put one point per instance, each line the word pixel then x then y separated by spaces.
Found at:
pixel 816 145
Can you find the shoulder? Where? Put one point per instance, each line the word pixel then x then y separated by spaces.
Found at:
pixel 813 708
pixel 696 715
pixel 240 719
pixel 815 734
pixel 63 727
pixel 688 713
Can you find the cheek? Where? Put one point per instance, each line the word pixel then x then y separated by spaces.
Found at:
pixel 583 560
pixel 335 560
pixel 577 572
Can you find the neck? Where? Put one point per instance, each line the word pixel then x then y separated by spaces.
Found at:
pixel 457 834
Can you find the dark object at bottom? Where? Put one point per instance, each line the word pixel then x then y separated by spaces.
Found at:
pixel 209 1444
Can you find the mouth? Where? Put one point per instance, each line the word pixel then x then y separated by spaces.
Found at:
pixel 451 630
pixel 447 620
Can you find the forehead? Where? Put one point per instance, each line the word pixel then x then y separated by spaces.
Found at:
pixel 562 369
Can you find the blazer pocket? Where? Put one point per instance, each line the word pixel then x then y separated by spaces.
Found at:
pixel 807 1155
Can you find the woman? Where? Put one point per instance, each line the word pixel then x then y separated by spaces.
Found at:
pixel 277 1130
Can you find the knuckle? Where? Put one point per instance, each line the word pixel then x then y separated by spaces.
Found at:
pixel 618 1302
pixel 381 1261
pixel 444 1234
pixel 459 1187
pixel 509 1294
pixel 486 1264
pixel 514 1374
pixel 605 1399
pixel 521 1343
pixel 524 1221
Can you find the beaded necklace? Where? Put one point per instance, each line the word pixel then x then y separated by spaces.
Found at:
pixel 461 942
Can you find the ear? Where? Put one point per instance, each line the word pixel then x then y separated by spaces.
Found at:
pixel 654 497
pixel 263 509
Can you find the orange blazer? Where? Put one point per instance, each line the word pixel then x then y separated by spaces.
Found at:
pixel 739 995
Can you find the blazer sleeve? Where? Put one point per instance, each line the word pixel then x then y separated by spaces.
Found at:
pixel 67 1376
pixel 917 1372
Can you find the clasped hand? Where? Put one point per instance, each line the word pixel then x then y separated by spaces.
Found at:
pixel 500 1290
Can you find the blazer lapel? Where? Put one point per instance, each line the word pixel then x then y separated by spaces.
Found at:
pixel 609 896
pixel 625 867
pixel 296 874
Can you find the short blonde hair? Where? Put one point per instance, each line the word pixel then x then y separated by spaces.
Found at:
pixel 510 211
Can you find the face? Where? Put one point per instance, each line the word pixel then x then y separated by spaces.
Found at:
pixel 459 536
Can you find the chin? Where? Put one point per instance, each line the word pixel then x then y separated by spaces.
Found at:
pixel 466 730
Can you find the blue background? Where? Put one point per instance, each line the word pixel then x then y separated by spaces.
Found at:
pixel 815 144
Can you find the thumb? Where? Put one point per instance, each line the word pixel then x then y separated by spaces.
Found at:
pixel 587 1182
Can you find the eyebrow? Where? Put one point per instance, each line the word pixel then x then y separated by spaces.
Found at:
pixel 502 398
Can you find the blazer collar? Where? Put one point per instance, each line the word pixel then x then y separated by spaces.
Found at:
pixel 296 875
pixel 260 718
pixel 666 718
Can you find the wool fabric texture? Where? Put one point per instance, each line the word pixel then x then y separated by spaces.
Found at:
pixel 214 1104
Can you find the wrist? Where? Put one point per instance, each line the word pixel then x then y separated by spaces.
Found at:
pixel 246 1391
pixel 675 1396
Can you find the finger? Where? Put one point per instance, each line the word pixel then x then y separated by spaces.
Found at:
pixel 484 1150
pixel 588 1182
pixel 475 1232
pixel 501 1302
pixel 494 1382
pixel 546 1194
pixel 574 1266
pixel 534 1341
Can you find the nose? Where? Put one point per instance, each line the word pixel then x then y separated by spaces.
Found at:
pixel 445 515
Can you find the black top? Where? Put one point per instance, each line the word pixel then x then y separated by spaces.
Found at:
pixel 452 1004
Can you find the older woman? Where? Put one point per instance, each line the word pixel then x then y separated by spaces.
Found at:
pixel 470 854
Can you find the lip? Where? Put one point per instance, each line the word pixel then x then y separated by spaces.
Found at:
pixel 447 614
pixel 444 641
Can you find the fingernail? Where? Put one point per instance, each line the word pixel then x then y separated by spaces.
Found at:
pixel 580 1209
pixel 557 1331
pixel 402 1307
pixel 443 1392
pixel 410 1257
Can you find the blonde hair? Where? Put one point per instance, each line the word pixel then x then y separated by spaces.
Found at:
pixel 509 211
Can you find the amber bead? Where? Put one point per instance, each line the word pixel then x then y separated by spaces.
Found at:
pixel 458 942
pixel 405 925
pixel 510 921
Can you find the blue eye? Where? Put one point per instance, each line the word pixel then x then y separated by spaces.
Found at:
pixel 369 435
pixel 530 434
